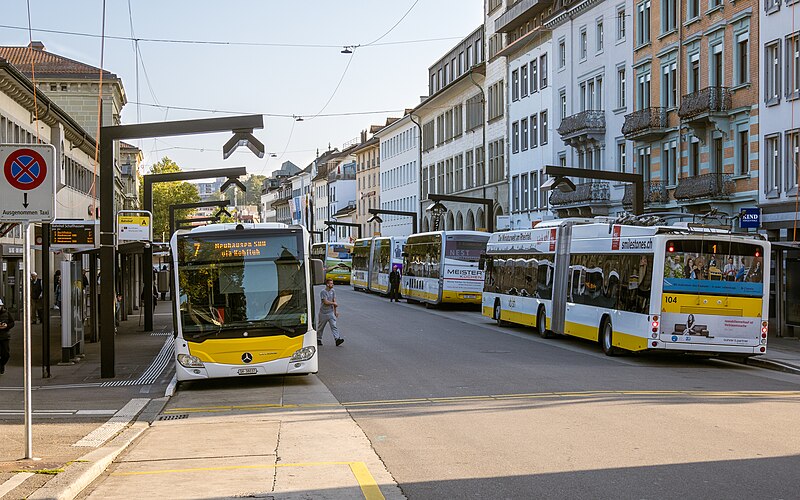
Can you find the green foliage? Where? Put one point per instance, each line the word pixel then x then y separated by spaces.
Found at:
pixel 169 193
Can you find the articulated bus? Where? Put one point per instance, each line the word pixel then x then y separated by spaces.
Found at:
pixel 442 266
pixel 387 254
pixel 692 289
pixel 337 258
pixel 244 301
pixel 362 250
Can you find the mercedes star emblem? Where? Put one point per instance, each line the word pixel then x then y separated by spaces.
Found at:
pixel 247 357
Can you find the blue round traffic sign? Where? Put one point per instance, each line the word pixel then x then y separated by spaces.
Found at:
pixel 25 169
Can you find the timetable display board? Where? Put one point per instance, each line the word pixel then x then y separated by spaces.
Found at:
pixel 73 234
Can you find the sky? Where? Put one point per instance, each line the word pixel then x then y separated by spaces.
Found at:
pixel 268 57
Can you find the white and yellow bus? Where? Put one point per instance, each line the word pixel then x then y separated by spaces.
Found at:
pixel 362 252
pixel 633 288
pixel 337 258
pixel 442 267
pixel 387 254
pixel 244 301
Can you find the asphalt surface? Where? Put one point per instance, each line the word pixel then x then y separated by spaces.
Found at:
pixel 429 403
pixel 457 406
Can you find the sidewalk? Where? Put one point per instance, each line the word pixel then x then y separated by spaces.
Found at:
pixel 783 354
pixel 75 401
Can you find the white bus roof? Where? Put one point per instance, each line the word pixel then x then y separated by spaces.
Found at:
pixel 229 226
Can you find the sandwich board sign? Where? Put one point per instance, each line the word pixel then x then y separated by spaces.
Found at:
pixel 28 183
pixel 134 225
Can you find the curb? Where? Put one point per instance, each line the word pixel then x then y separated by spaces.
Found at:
pixel 80 474
pixel 773 365
pixel 84 471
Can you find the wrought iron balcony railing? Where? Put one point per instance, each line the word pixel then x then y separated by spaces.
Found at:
pixel 714 185
pixel 707 100
pixel 589 120
pixel 644 120
pixel 654 192
pixel 587 193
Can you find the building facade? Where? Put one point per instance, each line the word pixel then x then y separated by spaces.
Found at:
pixel 528 51
pixel 695 123
pixel 453 125
pixel 592 53
pixel 368 191
pixel 399 175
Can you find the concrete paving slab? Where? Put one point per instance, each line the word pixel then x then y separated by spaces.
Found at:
pixel 203 437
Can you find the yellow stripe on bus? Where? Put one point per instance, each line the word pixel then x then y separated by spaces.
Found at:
pixel 714 305
pixel 592 332
pixel 229 351
pixel 419 294
pixel 459 297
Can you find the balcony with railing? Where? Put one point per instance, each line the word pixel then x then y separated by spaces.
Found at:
pixel 520 12
pixel 703 102
pixel 646 124
pixel 589 198
pixel 582 128
pixel 704 187
pixel 655 193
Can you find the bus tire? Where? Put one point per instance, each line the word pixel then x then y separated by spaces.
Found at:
pixel 541 324
pixel 607 338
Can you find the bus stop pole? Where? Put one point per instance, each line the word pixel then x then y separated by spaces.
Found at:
pixel 26 326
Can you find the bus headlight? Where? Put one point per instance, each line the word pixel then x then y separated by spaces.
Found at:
pixel 303 354
pixel 189 361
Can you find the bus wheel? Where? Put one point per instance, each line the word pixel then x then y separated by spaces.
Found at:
pixel 607 339
pixel 541 324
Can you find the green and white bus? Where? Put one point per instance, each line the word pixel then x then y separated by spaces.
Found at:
pixel 337 258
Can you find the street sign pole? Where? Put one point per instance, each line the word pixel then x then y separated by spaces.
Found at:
pixel 26 327
pixel 27 195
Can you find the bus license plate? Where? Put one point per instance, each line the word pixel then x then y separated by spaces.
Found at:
pixel 248 371
pixel 468 296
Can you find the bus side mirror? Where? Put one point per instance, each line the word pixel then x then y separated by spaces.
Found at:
pixel 482 262
pixel 317 272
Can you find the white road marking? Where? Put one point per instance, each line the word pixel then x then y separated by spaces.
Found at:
pixel 119 421
pixel 13 482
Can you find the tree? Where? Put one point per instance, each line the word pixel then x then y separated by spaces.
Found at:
pixel 166 194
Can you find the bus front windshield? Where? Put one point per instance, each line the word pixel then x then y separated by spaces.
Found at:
pixel 227 284
pixel 714 267
pixel 339 251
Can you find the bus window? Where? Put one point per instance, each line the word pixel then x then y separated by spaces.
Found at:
pixel 703 267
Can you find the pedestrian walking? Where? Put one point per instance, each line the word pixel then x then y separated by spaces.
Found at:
pixel 37 302
pixel 394 284
pixel 328 313
pixel 6 324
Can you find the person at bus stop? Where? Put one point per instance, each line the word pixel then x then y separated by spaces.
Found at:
pixel 37 303
pixel 57 288
pixel 394 284
pixel 6 324
pixel 328 313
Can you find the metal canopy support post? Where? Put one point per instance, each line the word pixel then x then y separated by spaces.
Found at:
pixel 143 131
pixel 486 202
pixel 46 279
pixel 561 173
pixel 413 215
pixel 345 224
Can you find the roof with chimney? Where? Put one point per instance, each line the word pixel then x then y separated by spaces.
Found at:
pixel 48 65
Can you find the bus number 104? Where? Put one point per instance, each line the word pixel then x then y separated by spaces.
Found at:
pixel 671 300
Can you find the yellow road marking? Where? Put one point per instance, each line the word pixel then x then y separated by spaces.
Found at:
pixel 491 397
pixel 369 487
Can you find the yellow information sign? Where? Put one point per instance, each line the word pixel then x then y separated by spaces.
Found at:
pixel 133 227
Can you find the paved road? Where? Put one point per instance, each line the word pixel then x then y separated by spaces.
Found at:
pixel 456 406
